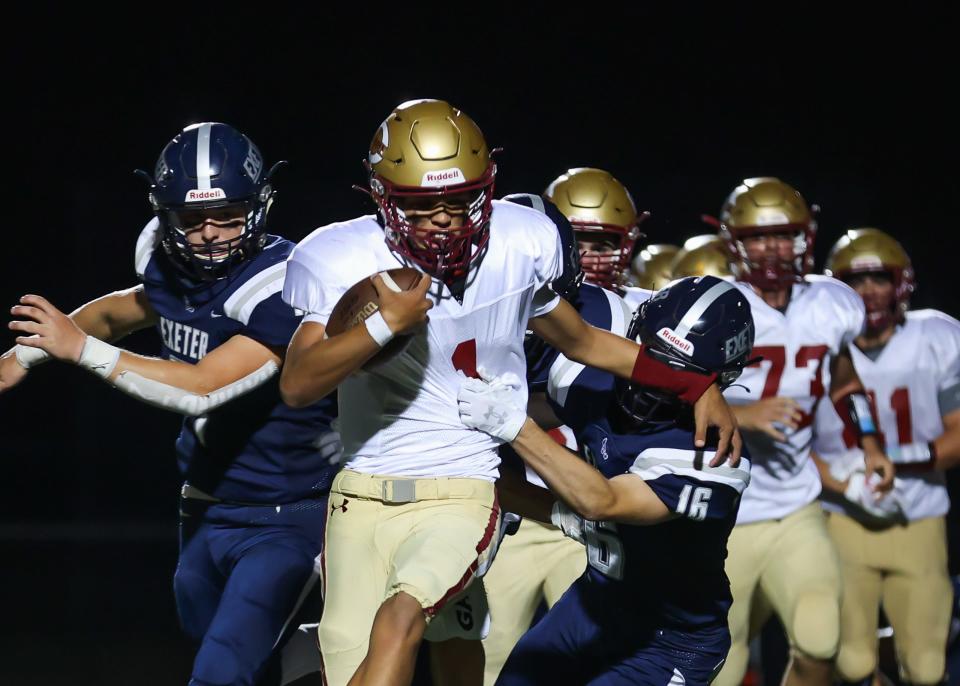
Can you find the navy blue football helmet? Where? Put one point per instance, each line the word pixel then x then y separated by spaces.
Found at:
pixel 210 167
pixel 698 324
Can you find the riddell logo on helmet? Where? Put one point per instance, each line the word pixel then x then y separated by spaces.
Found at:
pixel 443 177
pixel 198 195
pixel 865 262
pixel 682 344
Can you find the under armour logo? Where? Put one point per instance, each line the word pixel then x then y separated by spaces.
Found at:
pixel 341 506
pixel 498 417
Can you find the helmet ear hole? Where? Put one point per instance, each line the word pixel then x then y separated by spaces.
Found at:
pixel 266 192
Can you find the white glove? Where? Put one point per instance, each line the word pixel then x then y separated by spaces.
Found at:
pixel 568 521
pixel 861 491
pixel 330 448
pixel 493 407
pixel 846 463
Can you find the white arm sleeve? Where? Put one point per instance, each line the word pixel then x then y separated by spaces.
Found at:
pixel 28 356
pixel 172 398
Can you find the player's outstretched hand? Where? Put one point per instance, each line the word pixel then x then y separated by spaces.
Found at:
pixel 764 415
pixel 44 326
pixel 493 407
pixel 403 311
pixel 711 410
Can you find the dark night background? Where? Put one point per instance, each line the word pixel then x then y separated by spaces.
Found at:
pixel 853 111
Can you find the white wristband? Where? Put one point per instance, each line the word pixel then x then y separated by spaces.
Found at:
pixel 99 357
pixel 911 453
pixel 30 357
pixel 378 329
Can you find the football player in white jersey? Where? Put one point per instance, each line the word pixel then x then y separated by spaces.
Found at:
pixel 607 225
pixel 909 362
pixel 414 512
pixel 781 558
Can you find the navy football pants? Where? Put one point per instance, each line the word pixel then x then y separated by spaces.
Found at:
pixel 241 574
pixel 587 639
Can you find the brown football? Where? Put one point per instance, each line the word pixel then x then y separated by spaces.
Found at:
pixel 361 301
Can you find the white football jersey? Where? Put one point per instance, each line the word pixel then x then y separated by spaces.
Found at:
pixel 401 418
pixel 635 296
pixel 920 360
pixel 823 316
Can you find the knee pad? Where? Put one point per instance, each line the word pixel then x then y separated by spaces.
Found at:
pixel 815 628
pixel 922 666
pixel 856 664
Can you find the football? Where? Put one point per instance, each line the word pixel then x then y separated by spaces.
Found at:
pixel 361 301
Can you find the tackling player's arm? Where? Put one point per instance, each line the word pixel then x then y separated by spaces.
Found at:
pixel 499 410
pixel 237 366
pixel 316 365
pixel 521 497
pixel 625 498
pixel 109 318
pixel 849 397
pixel 564 329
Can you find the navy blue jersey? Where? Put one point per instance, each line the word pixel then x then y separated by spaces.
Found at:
pixel 254 449
pixel 598 307
pixel 674 569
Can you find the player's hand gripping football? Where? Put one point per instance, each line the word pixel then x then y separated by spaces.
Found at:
pixel 403 311
pixel 44 326
pixel 765 414
pixel 712 410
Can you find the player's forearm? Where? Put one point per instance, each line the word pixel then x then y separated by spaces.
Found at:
pixel 745 417
pixel 826 478
pixel 607 351
pixel 186 377
pixel 565 330
pixel 521 497
pixel 115 315
pixel 947 449
pixel 313 370
pixel 577 483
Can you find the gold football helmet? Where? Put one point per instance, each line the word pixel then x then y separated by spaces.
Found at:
pixel 765 206
pixel 604 218
pixel 651 266
pixel 703 255
pixel 429 154
pixel 864 251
